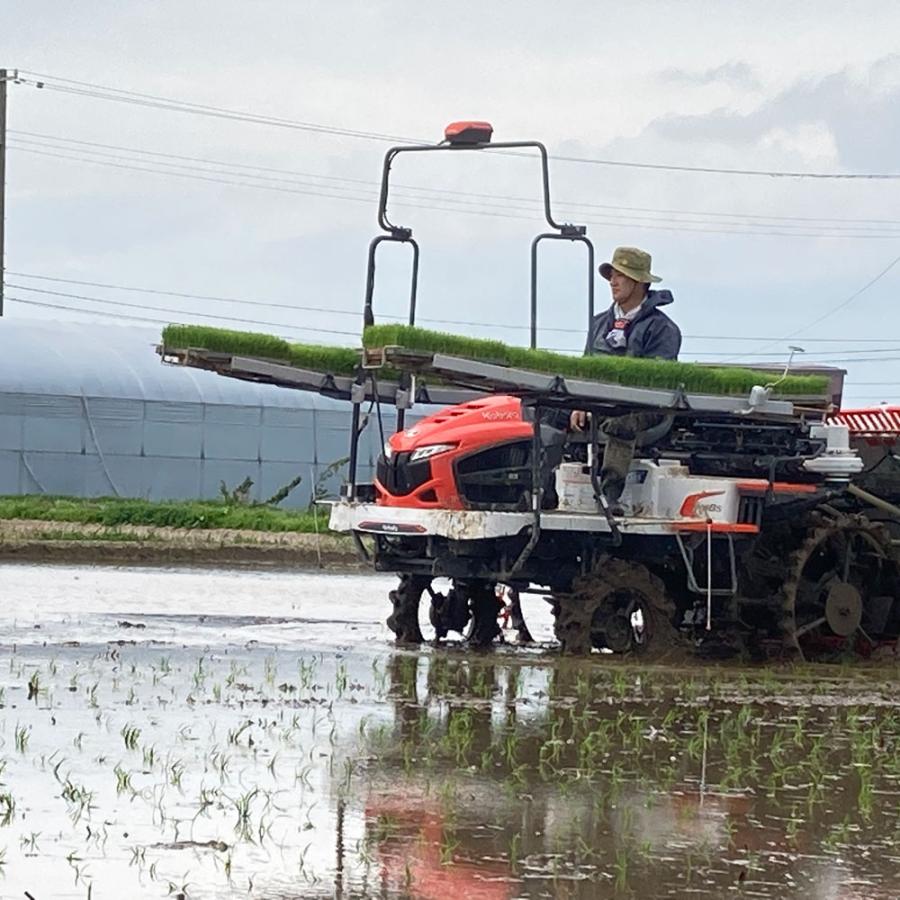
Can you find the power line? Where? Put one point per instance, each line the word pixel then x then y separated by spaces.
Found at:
pixel 293 307
pixel 820 355
pixel 843 303
pixel 347 312
pixel 182 312
pixel 88 312
pixel 712 170
pixel 105 92
pixel 120 95
pixel 164 321
pixel 494 212
pixel 40 139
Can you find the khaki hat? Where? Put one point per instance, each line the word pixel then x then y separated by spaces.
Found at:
pixel 632 262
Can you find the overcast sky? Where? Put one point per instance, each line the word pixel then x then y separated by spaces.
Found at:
pixel 131 194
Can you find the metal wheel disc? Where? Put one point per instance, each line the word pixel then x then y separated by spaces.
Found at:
pixel 843 608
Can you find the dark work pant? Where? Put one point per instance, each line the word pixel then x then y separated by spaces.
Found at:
pixel 621 433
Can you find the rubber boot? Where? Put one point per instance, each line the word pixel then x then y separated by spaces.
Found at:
pixel 617 457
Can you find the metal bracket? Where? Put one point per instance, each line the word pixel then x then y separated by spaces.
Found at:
pixel 537 496
pixel 687 554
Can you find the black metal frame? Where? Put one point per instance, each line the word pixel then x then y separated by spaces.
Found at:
pixel 562 236
pixel 402 234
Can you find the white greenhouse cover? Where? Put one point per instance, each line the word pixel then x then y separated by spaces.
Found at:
pixel 90 410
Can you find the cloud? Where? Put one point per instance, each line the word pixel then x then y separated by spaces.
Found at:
pixel 738 74
pixel 860 111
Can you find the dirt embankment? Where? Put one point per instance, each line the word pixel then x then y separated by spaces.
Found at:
pixel 27 540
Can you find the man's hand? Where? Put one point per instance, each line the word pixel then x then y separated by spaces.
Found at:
pixel 578 420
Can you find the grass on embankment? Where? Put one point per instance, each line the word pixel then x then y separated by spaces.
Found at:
pixel 650 373
pixel 114 512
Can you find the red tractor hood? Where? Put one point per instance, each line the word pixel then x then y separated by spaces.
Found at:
pixel 483 421
pixel 418 467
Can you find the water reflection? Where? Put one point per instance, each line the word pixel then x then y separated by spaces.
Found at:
pixel 504 779
pixel 205 750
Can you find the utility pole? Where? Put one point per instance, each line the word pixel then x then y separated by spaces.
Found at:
pixel 2 182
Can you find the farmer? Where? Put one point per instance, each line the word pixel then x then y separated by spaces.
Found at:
pixel 634 325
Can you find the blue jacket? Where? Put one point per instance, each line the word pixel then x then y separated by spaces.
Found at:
pixel 651 334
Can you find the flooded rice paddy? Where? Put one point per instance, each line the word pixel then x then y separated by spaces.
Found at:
pixel 206 734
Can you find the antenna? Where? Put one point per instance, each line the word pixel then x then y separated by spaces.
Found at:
pixel 787 367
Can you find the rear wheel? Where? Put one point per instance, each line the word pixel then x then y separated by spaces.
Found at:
pixel 840 594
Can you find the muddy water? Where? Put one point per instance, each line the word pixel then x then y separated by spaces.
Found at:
pixel 218 734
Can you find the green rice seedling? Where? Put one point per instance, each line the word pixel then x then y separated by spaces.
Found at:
pixel 448 847
pixel 620 867
pixel 149 757
pixel 7 808
pixel 29 843
pixel 234 736
pixel 21 736
pixel 336 360
pixel 131 734
pixel 199 676
pixel 220 761
pixel 123 779
pixel 650 373
pixel 306 671
pixel 341 679
pixel 176 773
pixel 243 807
pixel 79 798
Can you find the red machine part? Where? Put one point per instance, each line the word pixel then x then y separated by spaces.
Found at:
pixel 874 424
pixel 457 431
pixel 469 132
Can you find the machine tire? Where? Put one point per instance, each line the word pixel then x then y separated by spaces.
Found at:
pixel 599 612
pixel 404 619
pixel 840 594
pixel 485 606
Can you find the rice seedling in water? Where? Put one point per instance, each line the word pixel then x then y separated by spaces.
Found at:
pixel 123 779
pixel 131 734
pixel 7 808
pixel 34 684
pixel 21 737
pixel 243 807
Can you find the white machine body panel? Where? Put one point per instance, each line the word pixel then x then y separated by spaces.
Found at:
pixel 660 498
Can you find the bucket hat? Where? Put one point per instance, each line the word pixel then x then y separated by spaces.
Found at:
pixel 632 262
